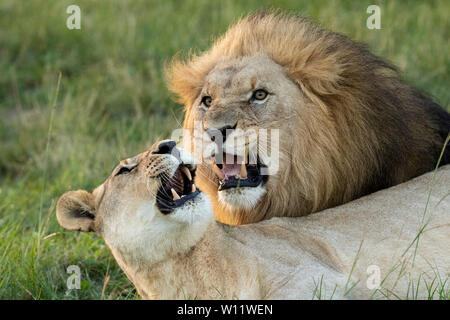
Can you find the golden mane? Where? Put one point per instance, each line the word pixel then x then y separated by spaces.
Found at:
pixel 315 58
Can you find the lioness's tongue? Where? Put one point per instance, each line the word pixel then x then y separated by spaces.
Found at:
pixel 231 165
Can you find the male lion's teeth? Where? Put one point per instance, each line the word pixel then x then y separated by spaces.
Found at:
pixel 175 194
pixel 218 172
pixel 193 188
pixel 187 172
pixel 247 147
pixel 243 171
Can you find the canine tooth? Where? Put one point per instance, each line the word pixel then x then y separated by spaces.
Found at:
pixel 218 172
pixel 247 147
pixel 243 171
pixel 193 188
pixel 175 194
pixel 187 172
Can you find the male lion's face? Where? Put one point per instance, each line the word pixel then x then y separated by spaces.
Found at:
pixel 247 112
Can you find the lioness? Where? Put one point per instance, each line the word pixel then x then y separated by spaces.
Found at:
pixel 348 124
pixel 160 229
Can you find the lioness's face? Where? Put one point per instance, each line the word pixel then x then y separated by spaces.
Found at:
pixel 248 111
pixel 147 199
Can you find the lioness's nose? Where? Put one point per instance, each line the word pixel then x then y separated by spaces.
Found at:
pixel 221 134
pixel 165 147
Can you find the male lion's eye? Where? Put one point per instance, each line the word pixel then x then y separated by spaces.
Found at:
pixel 207 101
pixel 260 94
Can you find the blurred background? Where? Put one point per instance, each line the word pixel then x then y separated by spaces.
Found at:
pixel 112 103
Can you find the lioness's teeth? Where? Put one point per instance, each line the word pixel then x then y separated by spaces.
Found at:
pixel 175 194
pixel 193 188
pixel 218 172
pixel 187 172
pixel 243 171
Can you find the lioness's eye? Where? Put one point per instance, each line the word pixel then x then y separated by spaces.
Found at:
pixel 260 94
pixel 124 170
pixel 207 101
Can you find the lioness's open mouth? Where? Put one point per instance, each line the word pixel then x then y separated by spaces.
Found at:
pixel 235 171
pixel 176 191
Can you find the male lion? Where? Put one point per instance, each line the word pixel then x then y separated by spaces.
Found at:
pixel 161 231
pixel 348 125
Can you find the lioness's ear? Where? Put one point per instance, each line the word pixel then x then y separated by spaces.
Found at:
pixel 76 211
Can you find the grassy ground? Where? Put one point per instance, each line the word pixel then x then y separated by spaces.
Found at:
pixel 113 103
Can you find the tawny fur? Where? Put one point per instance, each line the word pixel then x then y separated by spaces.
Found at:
pixel 404 231
pixel 355 127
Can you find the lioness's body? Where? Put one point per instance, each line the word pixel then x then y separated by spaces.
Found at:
pixel 297 258
pixel 186 254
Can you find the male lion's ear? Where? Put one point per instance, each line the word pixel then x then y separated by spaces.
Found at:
pixel 76 211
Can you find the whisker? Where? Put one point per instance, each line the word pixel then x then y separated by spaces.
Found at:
pixel 206 176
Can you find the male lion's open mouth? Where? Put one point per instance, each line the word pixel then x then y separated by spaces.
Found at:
pixel 235 171
pixel 176 191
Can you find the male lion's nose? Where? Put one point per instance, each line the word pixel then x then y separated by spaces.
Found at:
pixel 221 134
pixel 165 147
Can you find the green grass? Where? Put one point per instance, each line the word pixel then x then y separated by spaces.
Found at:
pixel 112 103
